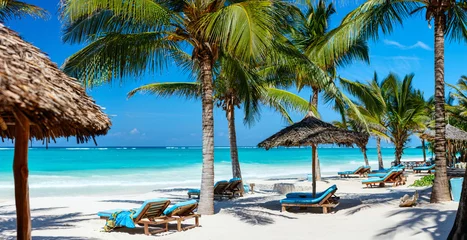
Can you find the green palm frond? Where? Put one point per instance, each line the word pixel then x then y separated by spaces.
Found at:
pixel 147 12
pixel 189 90
pixel 10 9
pixel 289 101
pixel 116 56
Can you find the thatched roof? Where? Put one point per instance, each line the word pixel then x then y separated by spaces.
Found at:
pixel 55 104
pixel 452 133
pixel 310 131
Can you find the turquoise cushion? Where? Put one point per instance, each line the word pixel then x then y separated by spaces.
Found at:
pixel 350 172
pixel 319 197
pixel 424 168
pixel 235 179
pixel 194 191
pixel 138 211
pixel 246 188
pixel 373 180
pixel 372 175
pixel 308 194
pixel 169 210
pixel 219 182
pixel 108 213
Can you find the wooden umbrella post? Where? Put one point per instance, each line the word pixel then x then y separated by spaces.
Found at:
pixel 21 172
pixel 313 168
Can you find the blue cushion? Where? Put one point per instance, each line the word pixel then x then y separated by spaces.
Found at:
pixel 319 197
pixel 371 175
pixel 373 180
pixel 235 179
pixel 424 168
pixel 219 182
pixel 350 172
pixel 169 210
pixel 308 194
pixel 138 211
pixel 194 191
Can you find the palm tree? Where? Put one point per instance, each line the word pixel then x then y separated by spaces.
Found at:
pixel 132 37
pixel 10 9
pixel 405 109
pixel 372 105
pixel 450 20
pixel 235 86
pixel 309 32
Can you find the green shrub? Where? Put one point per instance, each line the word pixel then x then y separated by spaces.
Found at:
pixel 424 181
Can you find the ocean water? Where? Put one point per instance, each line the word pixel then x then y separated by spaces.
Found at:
pixel 93 171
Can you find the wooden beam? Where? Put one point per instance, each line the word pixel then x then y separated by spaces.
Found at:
pixel 21 172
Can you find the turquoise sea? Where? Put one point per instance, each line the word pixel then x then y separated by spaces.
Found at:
pixel 89 171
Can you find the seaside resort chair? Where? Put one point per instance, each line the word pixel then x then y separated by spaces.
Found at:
pixel 183 211
pixel 383 173
pixel 395 177
pixel 234 189
pixel 150 213
pixel 155 212
pixel 325 200
pixel 424 168
pixel 219 189
pixel 361 171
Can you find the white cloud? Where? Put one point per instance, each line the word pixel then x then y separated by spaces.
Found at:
pixel 134 131
pixel 419 44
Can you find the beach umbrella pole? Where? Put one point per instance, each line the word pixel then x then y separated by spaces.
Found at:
pixel 21 172
pixel 313 168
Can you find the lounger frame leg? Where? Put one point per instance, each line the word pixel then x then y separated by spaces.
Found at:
pixel 179 224
pixel 325 210
pixel 283 209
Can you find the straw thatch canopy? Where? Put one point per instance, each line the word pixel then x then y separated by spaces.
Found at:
pixel 310 131
pixel 55 104
pixel 452 133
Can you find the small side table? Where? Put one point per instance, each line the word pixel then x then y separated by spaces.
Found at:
pixel 252 188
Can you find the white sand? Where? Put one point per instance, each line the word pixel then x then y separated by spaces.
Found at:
pixel 363 214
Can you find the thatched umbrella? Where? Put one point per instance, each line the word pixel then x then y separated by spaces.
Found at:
pixel 453 134
pixel 39 101
pixel 310 132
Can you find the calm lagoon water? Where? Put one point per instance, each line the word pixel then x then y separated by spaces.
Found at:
pixel 88 171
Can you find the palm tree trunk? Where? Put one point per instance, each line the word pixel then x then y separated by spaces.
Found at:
pixel 399 149
pixel 365 157
pixel 206 201
pixel 380 155
pixel 236 173
pixel 314 102
pixel 440 191
pixel 424 150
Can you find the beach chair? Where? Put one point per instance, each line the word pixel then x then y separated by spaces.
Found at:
pixel 362 170
pixel 382 173
pixel 325 200
pixel 183 211
pixel 424 168
pixel 150 213
pixel 219 189
pixel 235 188
pixel 395 177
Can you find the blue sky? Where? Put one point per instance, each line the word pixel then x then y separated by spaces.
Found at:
pixel 148 121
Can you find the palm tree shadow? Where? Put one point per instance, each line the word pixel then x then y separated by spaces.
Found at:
pixel 418 217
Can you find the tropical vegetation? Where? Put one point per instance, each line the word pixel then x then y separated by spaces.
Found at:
pixel 11 9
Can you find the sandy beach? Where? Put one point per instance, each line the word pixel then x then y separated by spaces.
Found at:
pixel 363 213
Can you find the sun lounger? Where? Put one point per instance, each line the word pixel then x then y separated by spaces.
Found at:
pixel 325 200
pixel 425 168
pixel 395 177
pixel 362 170
pixel 183 211
pixel 150 213
pixel 219 189
pixel 235 188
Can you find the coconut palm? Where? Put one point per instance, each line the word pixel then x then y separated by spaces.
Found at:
pixel 10 9
pixel 309 33
pixel 372 105
pixel 132 37
pixel 450 20
pixel 235 86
